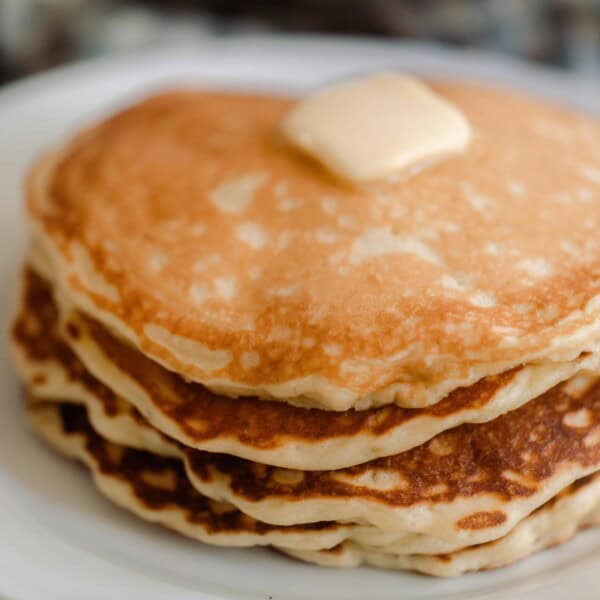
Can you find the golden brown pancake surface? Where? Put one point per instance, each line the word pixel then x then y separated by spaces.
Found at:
pixel 186 224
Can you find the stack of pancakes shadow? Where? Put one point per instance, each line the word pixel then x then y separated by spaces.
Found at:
pixel 247 351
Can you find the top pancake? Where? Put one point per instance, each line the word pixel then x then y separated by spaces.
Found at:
pixel 190 229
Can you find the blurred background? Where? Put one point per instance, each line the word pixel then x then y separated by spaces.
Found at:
pixel 39 34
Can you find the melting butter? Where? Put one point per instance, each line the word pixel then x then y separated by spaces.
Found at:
pixel 376 126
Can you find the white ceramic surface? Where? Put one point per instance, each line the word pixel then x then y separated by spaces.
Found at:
pixel 58 537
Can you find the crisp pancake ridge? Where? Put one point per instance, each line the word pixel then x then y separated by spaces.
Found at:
pixel 156 489
pixel 468 485
pixel 228 258
pixel 122 426
pixel 557 521
pixel 268 432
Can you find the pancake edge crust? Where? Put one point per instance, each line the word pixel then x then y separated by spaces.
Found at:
pixel 555 522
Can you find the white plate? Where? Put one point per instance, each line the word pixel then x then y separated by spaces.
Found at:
pixel 58 537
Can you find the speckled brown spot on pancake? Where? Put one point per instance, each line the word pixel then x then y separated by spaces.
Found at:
pixel 39 379
pixel 73 330
pixel 481 520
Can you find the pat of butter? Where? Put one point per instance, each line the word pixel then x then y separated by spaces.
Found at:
pixel 376 126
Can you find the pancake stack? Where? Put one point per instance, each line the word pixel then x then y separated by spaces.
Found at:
pixel 249 351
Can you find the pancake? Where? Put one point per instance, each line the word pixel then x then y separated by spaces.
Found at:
pixel 52 373
pixel 51 411
pixel 51 370
pixel 263 431
pixel 121 425
pixel 466 486
pixel 556 522
pixel 156 489
pixel 187 227
pixel 59 378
